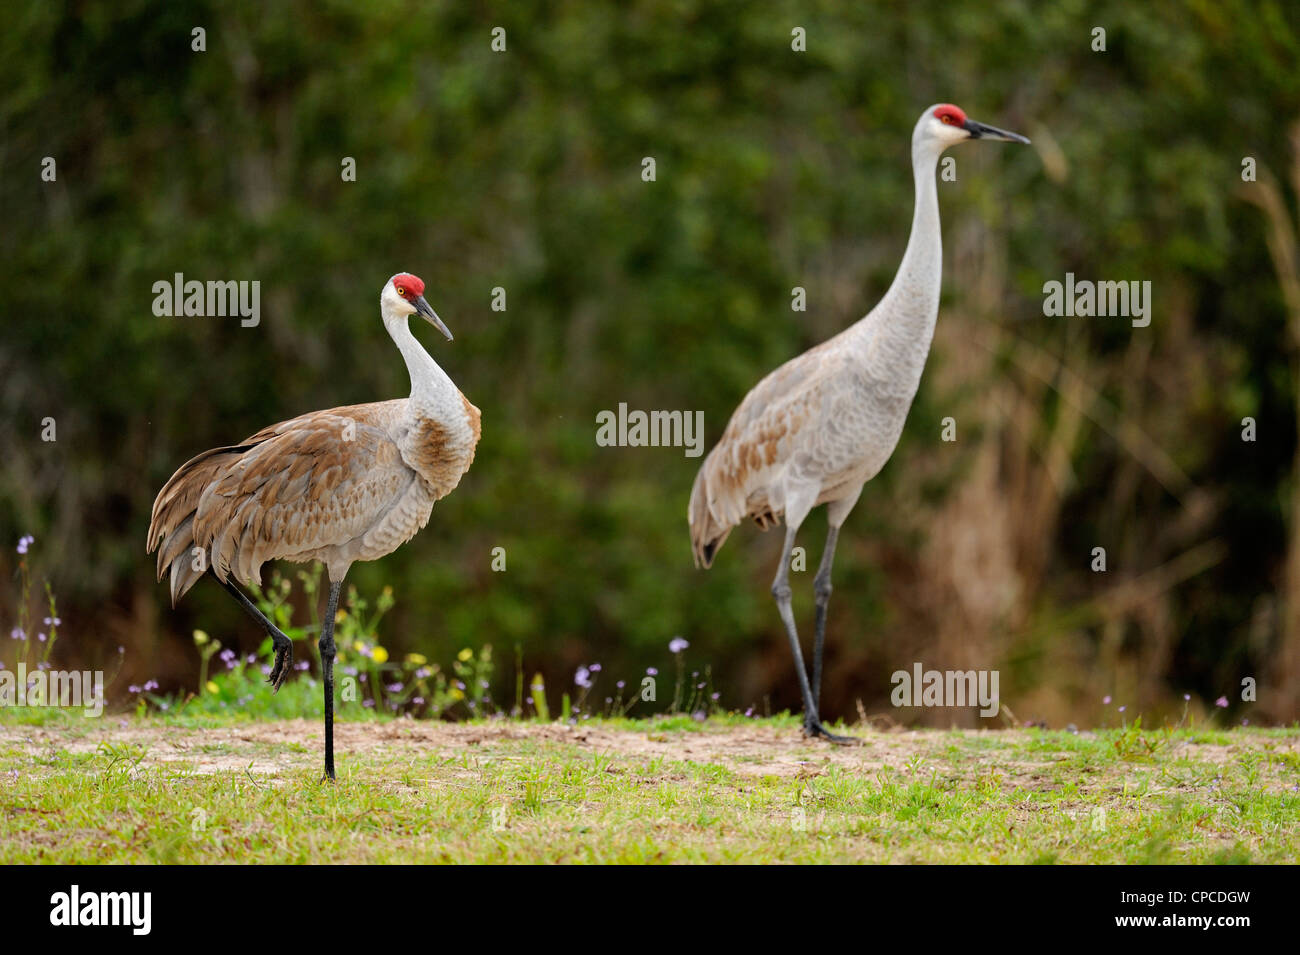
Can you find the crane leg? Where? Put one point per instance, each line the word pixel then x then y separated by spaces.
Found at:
pixel 822 588
pixel 812 725
pixel 283 645
pixel 327 673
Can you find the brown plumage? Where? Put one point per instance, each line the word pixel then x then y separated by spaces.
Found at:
pixel 333 486
pixel 735 481
pixel 337 486
pixel 823 424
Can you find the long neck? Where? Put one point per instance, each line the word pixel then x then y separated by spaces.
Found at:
pixel 432 392
pixel 896 334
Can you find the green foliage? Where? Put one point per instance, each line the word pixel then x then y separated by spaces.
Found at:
pixel 368 681
pixel 775 169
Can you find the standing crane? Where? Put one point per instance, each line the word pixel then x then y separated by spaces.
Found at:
pixel 335 486
pixel 823 424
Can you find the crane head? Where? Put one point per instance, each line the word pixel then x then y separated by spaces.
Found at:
pixel 404 295
pixel 944 124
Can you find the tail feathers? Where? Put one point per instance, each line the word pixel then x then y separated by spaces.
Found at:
pixel 707 534
pixel 704 555
pixel 171 528
pixel 184 576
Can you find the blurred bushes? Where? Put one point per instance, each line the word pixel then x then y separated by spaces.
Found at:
pixel 775 169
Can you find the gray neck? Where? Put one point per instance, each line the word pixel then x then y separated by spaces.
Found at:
pixel 895 336
pixel 432 392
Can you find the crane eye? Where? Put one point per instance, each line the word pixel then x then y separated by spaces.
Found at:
pixel 401 291
pixel 946 119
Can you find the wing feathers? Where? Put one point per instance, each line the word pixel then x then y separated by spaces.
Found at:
pixel 312 482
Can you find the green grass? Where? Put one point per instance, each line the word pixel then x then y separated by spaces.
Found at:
pixel 203 789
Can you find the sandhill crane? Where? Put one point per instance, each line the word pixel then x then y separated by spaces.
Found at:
pixel 336 486
pixel 823 424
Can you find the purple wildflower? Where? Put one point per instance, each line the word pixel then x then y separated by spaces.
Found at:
pixel 583 678
pixel 651 671
pixel 1221 702
pixel 677 645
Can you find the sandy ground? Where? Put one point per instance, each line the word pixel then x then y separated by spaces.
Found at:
pixel 271 748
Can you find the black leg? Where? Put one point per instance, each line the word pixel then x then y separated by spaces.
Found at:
pixel 822 587
pixel 781 591
pixel 812 724
pixel 283 645
pixel 327 671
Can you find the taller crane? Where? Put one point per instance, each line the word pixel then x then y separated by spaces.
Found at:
pixel 823 424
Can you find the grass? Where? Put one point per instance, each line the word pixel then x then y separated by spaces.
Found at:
pixel 212 788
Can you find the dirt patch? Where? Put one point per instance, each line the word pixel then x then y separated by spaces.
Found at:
pixel 269 748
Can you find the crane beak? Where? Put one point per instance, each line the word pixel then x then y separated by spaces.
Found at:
pixel 981 131
pixel 431 316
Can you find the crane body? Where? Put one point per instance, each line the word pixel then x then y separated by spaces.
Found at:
pixel 816 429
pixel 337 486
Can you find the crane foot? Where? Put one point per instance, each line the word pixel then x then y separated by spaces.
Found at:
pixel 282 665
pixel 814 730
